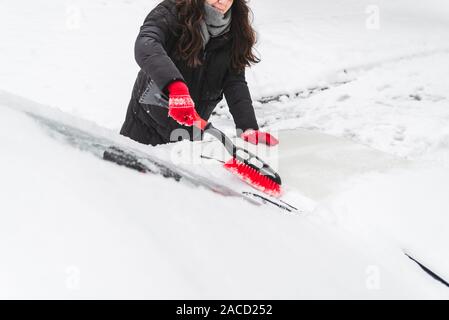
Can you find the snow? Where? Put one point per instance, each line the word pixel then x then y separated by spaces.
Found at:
pixel 99 231
pixel 392 96
pixel 408 205
pixel 365 160
pixel 327 158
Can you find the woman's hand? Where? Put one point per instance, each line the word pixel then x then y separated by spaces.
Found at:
pixel 180 104
pixel 256 137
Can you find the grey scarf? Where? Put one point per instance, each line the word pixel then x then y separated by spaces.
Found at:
pixel 215 23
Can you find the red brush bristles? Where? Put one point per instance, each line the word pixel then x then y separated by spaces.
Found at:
pixel 253 177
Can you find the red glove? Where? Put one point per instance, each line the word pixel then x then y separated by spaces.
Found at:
pixel 256 137
pixel 180 105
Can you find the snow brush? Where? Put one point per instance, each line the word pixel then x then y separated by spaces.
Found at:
pixel 243 163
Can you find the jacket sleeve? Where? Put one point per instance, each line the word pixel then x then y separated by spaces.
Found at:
pixel 239 101
pixel 151 45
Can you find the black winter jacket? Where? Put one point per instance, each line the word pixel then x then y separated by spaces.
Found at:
pixel 155 54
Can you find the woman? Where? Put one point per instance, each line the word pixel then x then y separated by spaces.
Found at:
pixel 194 51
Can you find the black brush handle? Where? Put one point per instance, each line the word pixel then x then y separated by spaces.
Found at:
pixel 243 155
pixel 154 96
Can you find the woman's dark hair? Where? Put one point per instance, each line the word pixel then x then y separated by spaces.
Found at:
pixel 190 14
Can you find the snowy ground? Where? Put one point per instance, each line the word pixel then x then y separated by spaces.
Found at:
pixel 366 158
